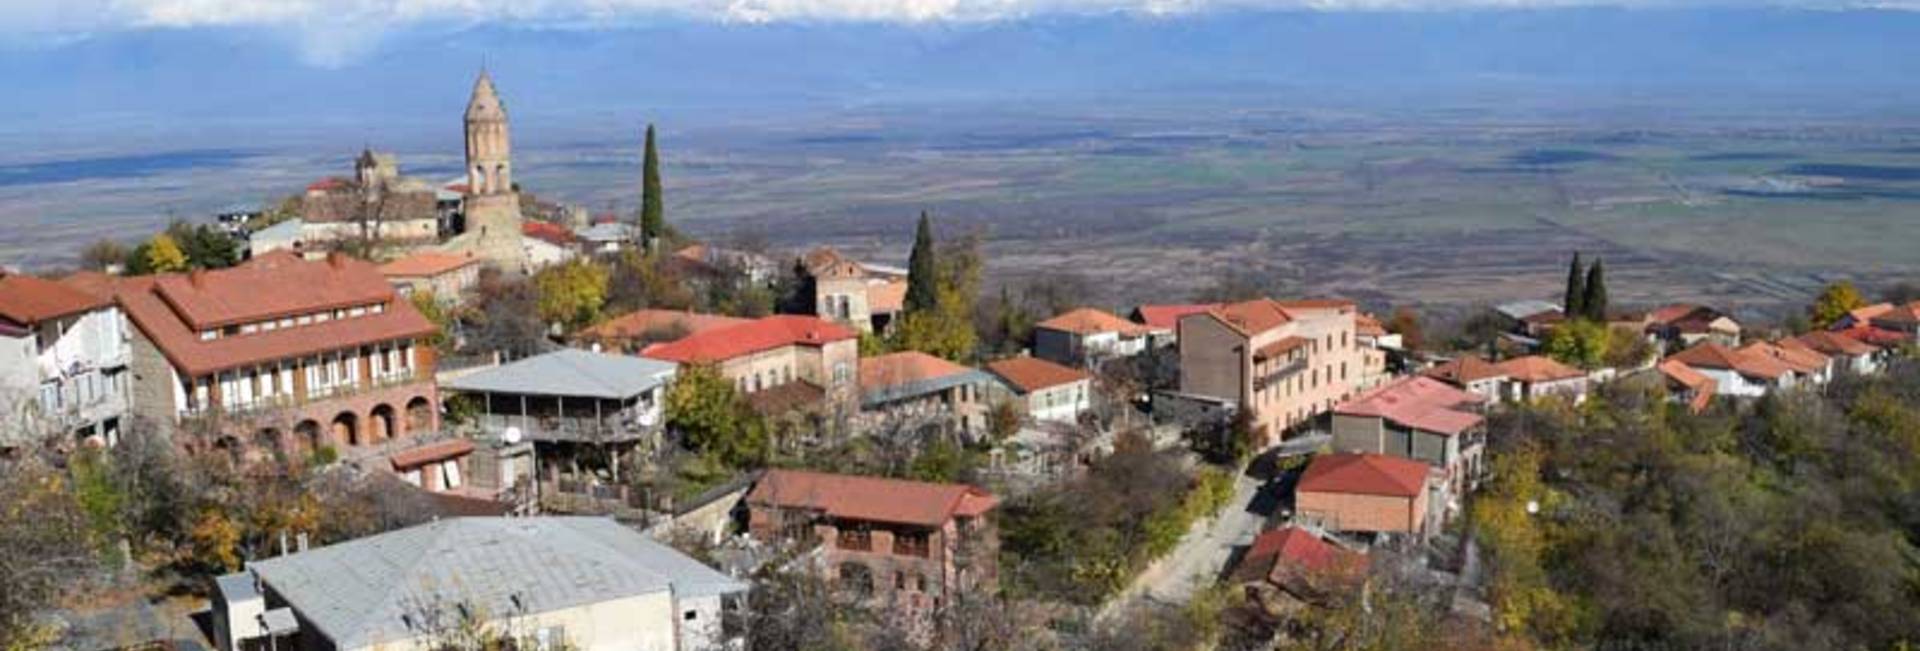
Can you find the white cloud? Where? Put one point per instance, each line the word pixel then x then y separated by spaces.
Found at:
pixel 331 32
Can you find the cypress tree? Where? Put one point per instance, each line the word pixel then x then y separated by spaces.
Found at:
pixel 1595 302
pixel 653 219
pixel 923 289
pixel 1576 289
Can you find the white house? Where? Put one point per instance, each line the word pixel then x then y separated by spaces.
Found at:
pixel 1086 336
pixel 1049 391
pixel 63 361
pixel 585 583
pixel 1737 373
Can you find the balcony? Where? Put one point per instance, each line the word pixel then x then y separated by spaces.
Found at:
pixel 1279 374
pixel 611 428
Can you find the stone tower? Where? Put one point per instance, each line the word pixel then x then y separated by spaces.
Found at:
pixel 491 205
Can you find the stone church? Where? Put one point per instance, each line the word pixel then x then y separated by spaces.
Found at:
pixel 492 202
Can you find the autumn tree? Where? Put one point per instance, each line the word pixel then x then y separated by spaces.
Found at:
pixel 714 419
pixel 103 254
pixel 163 255
pixel 47 549
pixel 571 293
pixel 1579 343
pixel 1835 301
pixel 1406 323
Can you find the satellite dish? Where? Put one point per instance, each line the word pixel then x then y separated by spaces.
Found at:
pixel 511 435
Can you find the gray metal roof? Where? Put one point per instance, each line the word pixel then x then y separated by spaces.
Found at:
pixel 570 372
pixel 1522 309
pixel 609 232
pixel 378 589
pixel 919 388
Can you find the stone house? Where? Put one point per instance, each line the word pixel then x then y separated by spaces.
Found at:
pixel 864 296
pixel 778 351
pixel 448 276
pixel 905 544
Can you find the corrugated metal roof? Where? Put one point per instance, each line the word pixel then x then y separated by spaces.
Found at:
pixel 570 372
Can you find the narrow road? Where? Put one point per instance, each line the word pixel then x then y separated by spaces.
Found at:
pixel 1201 555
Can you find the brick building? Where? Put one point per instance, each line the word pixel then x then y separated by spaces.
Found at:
pixel 1371 493
pixel 280 353
pixel 905 543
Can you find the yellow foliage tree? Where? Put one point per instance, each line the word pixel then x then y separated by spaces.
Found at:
pixel 571 294
pixel 164 255
pixel 1834 302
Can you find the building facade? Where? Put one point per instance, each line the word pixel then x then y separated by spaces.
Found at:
pixel 1049 392
pixel 63 362
pixel 1417 418
pixel 1287 361
pixel 776 351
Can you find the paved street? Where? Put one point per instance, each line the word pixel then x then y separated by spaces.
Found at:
pixel 1202 554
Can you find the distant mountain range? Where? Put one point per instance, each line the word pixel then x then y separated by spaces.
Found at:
pixel 239 79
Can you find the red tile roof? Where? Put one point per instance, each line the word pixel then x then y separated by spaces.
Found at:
pixel 265 285
pixel 1465 370
pixel 1671 313
pixel 1831 343
pixel 1253 317
pixel 270 286
pixel 658 323
pixel 1088 321
pixel 887 297
pixel 1168 316
pixel 767 333
pixel 1901 315
pixel 328 184
pixel 1418 402
pixel 1873 336
pixel 426 264
pixel 871 499
pixel 547 232
pixel 431 452
pixel 1365 474
pixel 1715 356
pixel 1367 325
pixel 28 300
pixel 1703 387
pixel 902 368
pixel 1538 368
pixel 1279 555
pixel 1030 374
pixel 1280 347
pixel 1802 360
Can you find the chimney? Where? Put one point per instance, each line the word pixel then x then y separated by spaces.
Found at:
pixel 198 278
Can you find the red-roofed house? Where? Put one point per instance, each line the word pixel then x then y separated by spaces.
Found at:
pixel 1904 319
pixel 847 291
pixel 1686 324
pixel 774 351
pixel 1086 336
pixel 1288 362
pixel 1536 376
pixel 1737 373
pixel 1688 386
pixel 1289 568
pixel 283 353
pixel 1810 365
pixel 1479 376
pixel 63 362
pixel 1370 493
pixel 1417 418
pixel 1165 319
pixel 1849 354
pixel 1051 392
pixel 546 244
pixel 903 542
pixel 449 276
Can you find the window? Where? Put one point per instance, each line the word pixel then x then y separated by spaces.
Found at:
pixel 855 539
pixel 208 335
pixel 249 329
pixel 690 615
pixel 50 397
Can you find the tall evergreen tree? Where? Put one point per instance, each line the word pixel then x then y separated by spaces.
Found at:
pixel 1576 289
pixel 1594 305
pixel 923 274
pixel 653 219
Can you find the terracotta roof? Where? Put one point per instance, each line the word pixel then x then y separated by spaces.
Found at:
pixel 1280 347
pixel 28 300
pixel 1831 343
pixel 1088 321
pixel 270 286
pixel 825 262
pixel 1030 374
pixel 1418 402
pixel 887 297
pixel 431 452
pixel 871 499
pixel 1465 370
pixel 547 232
pixel 904 368
pixel 1703 387
pixel 1365 474
pixel 1279 555
pixel 1873 336
pixel 657 323
pixel 1671 313
pixel 798 395
pixel 1314 304
pixel 426 264
pixel 1168 316
pixel 1867 313
pixel 1367 325
pixel 766 333
pixel 328 184
pixel 1544 318
pixel 1715 356
pixel 242 290
pixel 1538 368
pixel 1904 315
pixel 1802 360
pixel 1251 317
